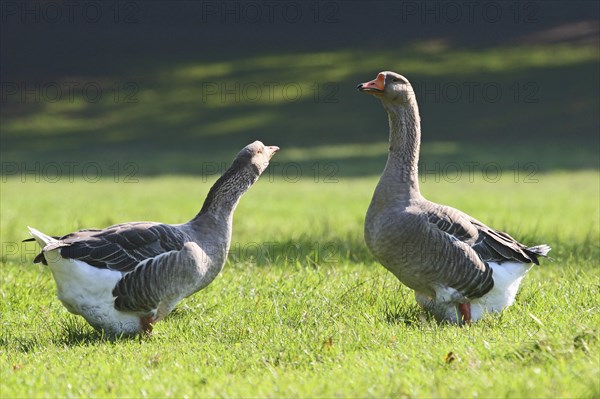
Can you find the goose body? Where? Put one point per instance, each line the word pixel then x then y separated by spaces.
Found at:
pixel 126 277
pixel 459 268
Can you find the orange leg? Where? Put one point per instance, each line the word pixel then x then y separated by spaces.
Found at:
pixel 465 311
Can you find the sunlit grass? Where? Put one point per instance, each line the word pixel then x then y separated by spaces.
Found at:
pixel 301 308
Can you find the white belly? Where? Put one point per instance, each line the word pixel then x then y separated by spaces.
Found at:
pixel 87 291
pixel 507 279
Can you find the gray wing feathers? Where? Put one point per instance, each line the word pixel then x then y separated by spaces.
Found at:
pixel 423 257
pixel 167 278
pixel 445 222
pixel 122 247
pixel 497 246
pixel 475 244
pixel 491 245
pixel 463 269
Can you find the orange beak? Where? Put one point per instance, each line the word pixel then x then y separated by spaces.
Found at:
pixel 375 86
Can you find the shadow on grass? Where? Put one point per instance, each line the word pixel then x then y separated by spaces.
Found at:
pixel 76 332
pixel 72 331
pixel 404 313
pixel 304 251
pixel 175 127
pixel 332 251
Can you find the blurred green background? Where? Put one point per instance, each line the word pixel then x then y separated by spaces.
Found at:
pixel 152 88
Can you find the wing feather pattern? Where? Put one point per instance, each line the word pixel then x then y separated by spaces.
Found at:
pixel 121 247
pixel 489 245
pixel 165 279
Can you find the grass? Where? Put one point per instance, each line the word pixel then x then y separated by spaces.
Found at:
pixel 301 309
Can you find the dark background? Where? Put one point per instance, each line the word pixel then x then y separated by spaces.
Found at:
pixel 161 57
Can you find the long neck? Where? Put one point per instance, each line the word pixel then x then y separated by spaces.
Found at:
pixel 401 170
pixel 224 195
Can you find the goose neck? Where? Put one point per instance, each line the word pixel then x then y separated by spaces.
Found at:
pixel 225 194
pixel 404 141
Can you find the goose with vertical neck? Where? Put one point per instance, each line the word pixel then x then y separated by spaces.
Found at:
pixel 126 277
pixel 459 268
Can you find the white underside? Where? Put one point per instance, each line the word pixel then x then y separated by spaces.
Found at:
pixel 87 291
pixel 507 279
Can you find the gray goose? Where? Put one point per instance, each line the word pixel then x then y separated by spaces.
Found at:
pixel 459 268
pixel 126 277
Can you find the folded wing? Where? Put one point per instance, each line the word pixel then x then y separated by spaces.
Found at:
pixel 121 247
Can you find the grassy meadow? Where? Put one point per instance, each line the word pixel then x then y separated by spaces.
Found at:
pixel 301 309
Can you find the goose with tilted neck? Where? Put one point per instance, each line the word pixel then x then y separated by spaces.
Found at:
pixel 125 278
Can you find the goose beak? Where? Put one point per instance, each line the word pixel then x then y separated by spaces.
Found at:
pixel 273 149
pixel 375 86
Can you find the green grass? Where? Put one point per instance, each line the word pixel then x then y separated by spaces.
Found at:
pixel 301 309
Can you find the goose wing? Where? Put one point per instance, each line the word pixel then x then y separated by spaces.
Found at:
pixel 465 270
pixel 121 247
pixel 489 244
pixel 497 246
pixel 161 282
pixel 468 247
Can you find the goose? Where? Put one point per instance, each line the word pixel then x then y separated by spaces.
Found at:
pixel 459 268
pixel 125 278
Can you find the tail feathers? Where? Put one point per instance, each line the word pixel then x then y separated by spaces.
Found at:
pixel 541 250
pixel 41 238
pixel 33 239
pixel 538 250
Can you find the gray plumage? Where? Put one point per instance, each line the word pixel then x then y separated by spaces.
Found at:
pixel 443 254
pixel 125 277
pixel 159 283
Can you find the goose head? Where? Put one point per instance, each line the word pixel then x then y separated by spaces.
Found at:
pixel 391 88
pixel 256 156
